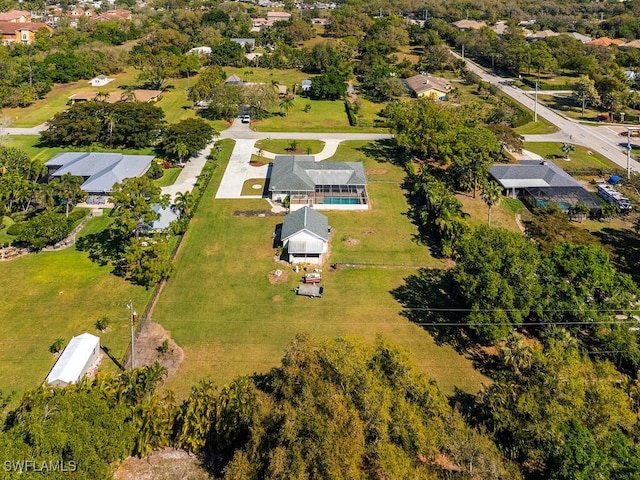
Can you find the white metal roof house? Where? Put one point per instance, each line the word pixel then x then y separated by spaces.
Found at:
pixel 322 185
pixel 306 85
pixel 100 81
pixel 305 236
pixel 100 171
pixel 81 354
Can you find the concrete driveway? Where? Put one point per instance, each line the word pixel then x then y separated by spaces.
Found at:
pixel 238 170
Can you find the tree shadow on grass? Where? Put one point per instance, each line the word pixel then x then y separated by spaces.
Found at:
pixel 428 301
pixel 386 151
pixel 103 248
pixel 625 248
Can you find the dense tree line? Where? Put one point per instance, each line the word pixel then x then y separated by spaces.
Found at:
pixel 337 410
pixel 348 410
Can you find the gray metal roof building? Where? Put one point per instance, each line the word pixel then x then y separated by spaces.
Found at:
pixel 540 182
pixel 307 219
pixel 100 171
pixel 301 172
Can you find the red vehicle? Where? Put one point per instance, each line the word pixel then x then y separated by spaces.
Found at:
pixel 311 278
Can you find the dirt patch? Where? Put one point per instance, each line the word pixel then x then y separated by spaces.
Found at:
pixel 148 342
pixel 212 249
pixel 165 464
pixel 376 171
pixel 277 298
pixel 369 232
pixel 278 276
pixel 257 213
pixel 257 163
pixel 351 242
pixel 519 223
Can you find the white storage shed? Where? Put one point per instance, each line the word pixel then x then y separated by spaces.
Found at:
pixel 81 354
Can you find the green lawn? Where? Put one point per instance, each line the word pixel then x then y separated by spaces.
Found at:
pixel 168 177
pixel 174 100
pixel 222 309
pixel 323 116
pixel 58 294
pixel 578 160
pixel 248 187
pixel 281 146
pixel 541 127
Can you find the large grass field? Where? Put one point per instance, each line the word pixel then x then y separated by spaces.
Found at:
pixel 174 100
pixel 52 295
pixel 223 310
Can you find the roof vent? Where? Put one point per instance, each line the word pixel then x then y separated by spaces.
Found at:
pixel 543 162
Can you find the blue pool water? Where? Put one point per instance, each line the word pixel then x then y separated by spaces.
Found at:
pixel 340 201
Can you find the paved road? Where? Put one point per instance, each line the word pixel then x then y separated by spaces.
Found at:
pixel 603 140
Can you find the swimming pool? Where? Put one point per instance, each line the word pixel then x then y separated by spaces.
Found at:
pixel 341 201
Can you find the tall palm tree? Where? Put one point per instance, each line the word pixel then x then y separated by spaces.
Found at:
pixel 491 194
pixel 69 189
pixel 184 203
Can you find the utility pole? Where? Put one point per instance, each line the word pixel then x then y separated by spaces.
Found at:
pixel 628 153
pixel 463 51
pixel 132 317
pixel 535 105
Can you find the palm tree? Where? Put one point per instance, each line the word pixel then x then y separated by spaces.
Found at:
pixel 46 195
pixel 184 202
pixel 129 95
pixel 181 150
pixel 516 354
pixel 286 105
pixel 69 189
pixel 110 119
pixel 491 194
pixel 567 148
pixel 101 96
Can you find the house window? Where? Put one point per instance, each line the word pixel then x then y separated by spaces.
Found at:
pixel 25 36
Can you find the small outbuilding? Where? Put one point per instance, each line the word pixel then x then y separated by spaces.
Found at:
pixel 81 354
pixel 100 81
pixel 305 236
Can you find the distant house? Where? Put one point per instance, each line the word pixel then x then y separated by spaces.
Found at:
pixel 15 16
pixel 81 354
pixel 278 16
pixel 282 90
pixel 15 32
pixel 578 36
pixel 500 28
pixel 540 182
pixel 428 86
pixel 606 42
pixel 100 81
pixel 145 96
pixel 323 185
pixel 465 25
pixel 243 42
pixel 541 35
pixel 305 236
pixel 99 171
pixel 234 80
pixel 632 44
pixel 306 85
pixel 202 51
